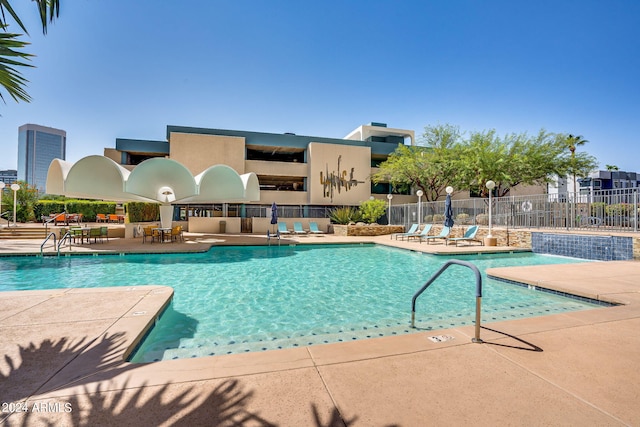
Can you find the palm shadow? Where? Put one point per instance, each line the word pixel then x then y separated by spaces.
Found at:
pixel 99 401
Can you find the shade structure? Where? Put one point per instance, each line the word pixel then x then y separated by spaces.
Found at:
pixel 159 180
pixel 448 212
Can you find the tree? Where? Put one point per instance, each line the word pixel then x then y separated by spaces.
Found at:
pixel 572 143
pixel 428 166
pixel 26 198
pixel 612 167
pixel 11 54
pixel 372 210
pixel 513 160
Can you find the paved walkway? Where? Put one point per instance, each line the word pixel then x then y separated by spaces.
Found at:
pixel 63 350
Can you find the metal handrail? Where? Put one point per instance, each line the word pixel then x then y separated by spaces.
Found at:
pixel 46 240
pixel 67 236
pixel 277 235
pixel 47 222
pixel 446 265
pixel 8 219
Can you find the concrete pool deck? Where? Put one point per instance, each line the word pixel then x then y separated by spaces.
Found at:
pixel 63 351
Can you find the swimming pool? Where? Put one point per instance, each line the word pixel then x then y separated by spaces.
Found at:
pixel 238 299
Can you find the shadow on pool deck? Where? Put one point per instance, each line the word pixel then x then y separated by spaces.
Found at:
pixel 63 350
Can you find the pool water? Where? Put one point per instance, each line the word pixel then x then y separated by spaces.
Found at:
pixel 238 299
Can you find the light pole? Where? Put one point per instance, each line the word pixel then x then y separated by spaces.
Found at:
pixel 2 185
pixel 389 197
pixel 419 193
pixel 490 186
pixel 15 188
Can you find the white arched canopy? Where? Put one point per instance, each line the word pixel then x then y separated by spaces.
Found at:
pixel 154 180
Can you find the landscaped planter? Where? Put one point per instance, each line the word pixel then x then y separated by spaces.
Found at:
pixel 366 230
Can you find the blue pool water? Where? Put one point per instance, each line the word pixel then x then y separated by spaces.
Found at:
pixel 237 299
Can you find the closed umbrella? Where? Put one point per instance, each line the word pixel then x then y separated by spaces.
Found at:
pixel 448 212
pixel 274 214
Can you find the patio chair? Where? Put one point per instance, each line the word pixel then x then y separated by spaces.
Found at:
pixel 313 228
pixel 76 233
pixel 443 235
pixel 411 230
pixel 114 218
pixel 95 234
pixel 104 233
pixel 176 233
pixel 101 218
pixel 297 228
pixel 147 233
pixel 425 231
pixel 469 235
pixel 282 228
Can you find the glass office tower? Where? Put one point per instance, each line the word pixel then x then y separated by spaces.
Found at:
pixel 37 147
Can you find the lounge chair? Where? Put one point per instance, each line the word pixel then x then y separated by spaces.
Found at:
pixel 411 230
pixel 425 231
pixel 443 235
pixel 313 228
pixel 297 228
pixel 282 228
pixel 469 235
pixel 101 217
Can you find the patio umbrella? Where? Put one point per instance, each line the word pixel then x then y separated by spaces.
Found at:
pixel 448 212
pixel 274 214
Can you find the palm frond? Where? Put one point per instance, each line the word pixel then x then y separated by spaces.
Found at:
pixel 10 77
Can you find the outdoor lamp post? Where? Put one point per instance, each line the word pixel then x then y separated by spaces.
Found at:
pixel 2 185
pixel 449 190
pixel 15 188
pixel 491 241
pixel 419 193
pixel 389 197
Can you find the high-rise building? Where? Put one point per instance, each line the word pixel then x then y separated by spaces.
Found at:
pixel 37 147
pixel 8 176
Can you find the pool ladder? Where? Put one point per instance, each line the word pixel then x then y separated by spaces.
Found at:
pixel 275 236
pixel 446 265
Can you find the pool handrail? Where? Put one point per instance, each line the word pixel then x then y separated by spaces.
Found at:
pixel 446 265
pixel 67 236
pixel 52 234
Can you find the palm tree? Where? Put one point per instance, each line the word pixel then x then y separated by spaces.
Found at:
pixel 572 142
pixel 11 55
pixel 612 168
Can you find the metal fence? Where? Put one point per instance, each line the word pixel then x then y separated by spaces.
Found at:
pixel 605 210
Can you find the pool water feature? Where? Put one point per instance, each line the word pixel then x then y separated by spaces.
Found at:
pixel 239 299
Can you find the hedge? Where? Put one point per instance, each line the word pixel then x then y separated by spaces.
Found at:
pixel 88 208
pixel 143 212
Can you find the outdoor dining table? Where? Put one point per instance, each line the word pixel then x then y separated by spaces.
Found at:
pixel 163 232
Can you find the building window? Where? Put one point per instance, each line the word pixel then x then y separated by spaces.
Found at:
pixel 275 154
pixel 282 183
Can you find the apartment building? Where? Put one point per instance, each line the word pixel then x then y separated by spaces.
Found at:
pixel 304 175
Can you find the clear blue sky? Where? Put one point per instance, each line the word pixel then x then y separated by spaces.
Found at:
pixel 122 68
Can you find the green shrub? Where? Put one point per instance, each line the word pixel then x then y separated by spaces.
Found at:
pixel 462 218
pixel 598 209
pixel 428 219
pixel 345 215
pixel 438 218
pixel 372 210
pixel 143 212
pixel 619 209
pixel 482 219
